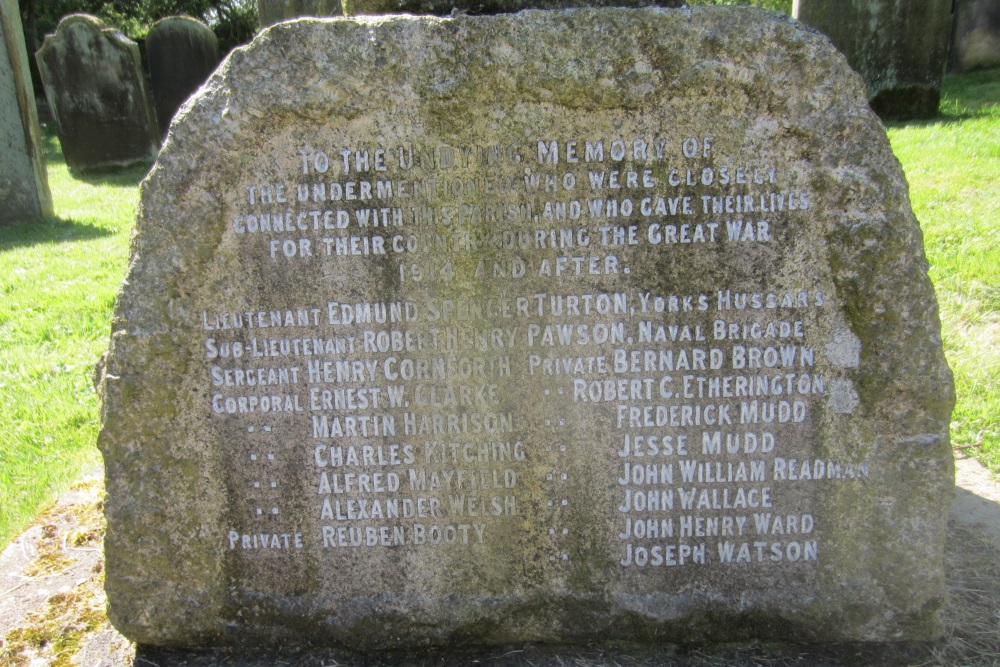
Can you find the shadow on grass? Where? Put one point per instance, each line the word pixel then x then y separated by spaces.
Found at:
pixel 111 176
pixel 56 230
pixel 120 177
pixel 942 119
pixel 976 89
pixel 964 97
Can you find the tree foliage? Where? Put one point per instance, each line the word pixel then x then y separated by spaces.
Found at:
pixel 234 21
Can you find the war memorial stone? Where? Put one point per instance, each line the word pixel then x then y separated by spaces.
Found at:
pixel 24 185
pixel 97 92
pixel 900 48
pixel 447 7
pixel 181 53
pixel 551 326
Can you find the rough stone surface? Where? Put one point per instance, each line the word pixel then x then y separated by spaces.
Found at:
pixel 270 12
pixel 976 37
pixel 640 344
pixel 475 7
pixel 181 52
pixel 899 48
pixel 24 186
pixel 97 93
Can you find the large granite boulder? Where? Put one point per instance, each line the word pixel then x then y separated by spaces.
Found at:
pixel 554 326
pixel 451 7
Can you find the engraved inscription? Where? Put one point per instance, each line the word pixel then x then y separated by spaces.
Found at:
pixel 411 405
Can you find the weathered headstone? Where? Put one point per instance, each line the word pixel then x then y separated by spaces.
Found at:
pixel 976 37
pixel 270 12
pixel 97 92
pixel 899 48
pixel 181 52
pixel 549 326
pixel 24 185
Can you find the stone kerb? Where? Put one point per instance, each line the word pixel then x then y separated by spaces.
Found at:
pixel 24 186
pixel 96 89
pixel 562 326
pixel 181 52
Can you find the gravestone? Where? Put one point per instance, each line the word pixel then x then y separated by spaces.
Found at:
pixel 899 48
pixel 181 53
pixel 24 185
pixel 976 37
pixel 97 93
pixel 270 12
pixel 581 325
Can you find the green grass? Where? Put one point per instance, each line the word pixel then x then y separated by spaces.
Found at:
pixel 953 166
pixel 58 281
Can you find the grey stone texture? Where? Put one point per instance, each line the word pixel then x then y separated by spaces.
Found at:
pixel 976 36
pixel 24 185
pixel 181 53
pixel 899 48
pixel 96 89
pixel 474 7
pixel 557 326
pixel 270 12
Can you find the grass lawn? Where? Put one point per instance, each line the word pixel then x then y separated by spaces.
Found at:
pixel 953 166
pixel 58 280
